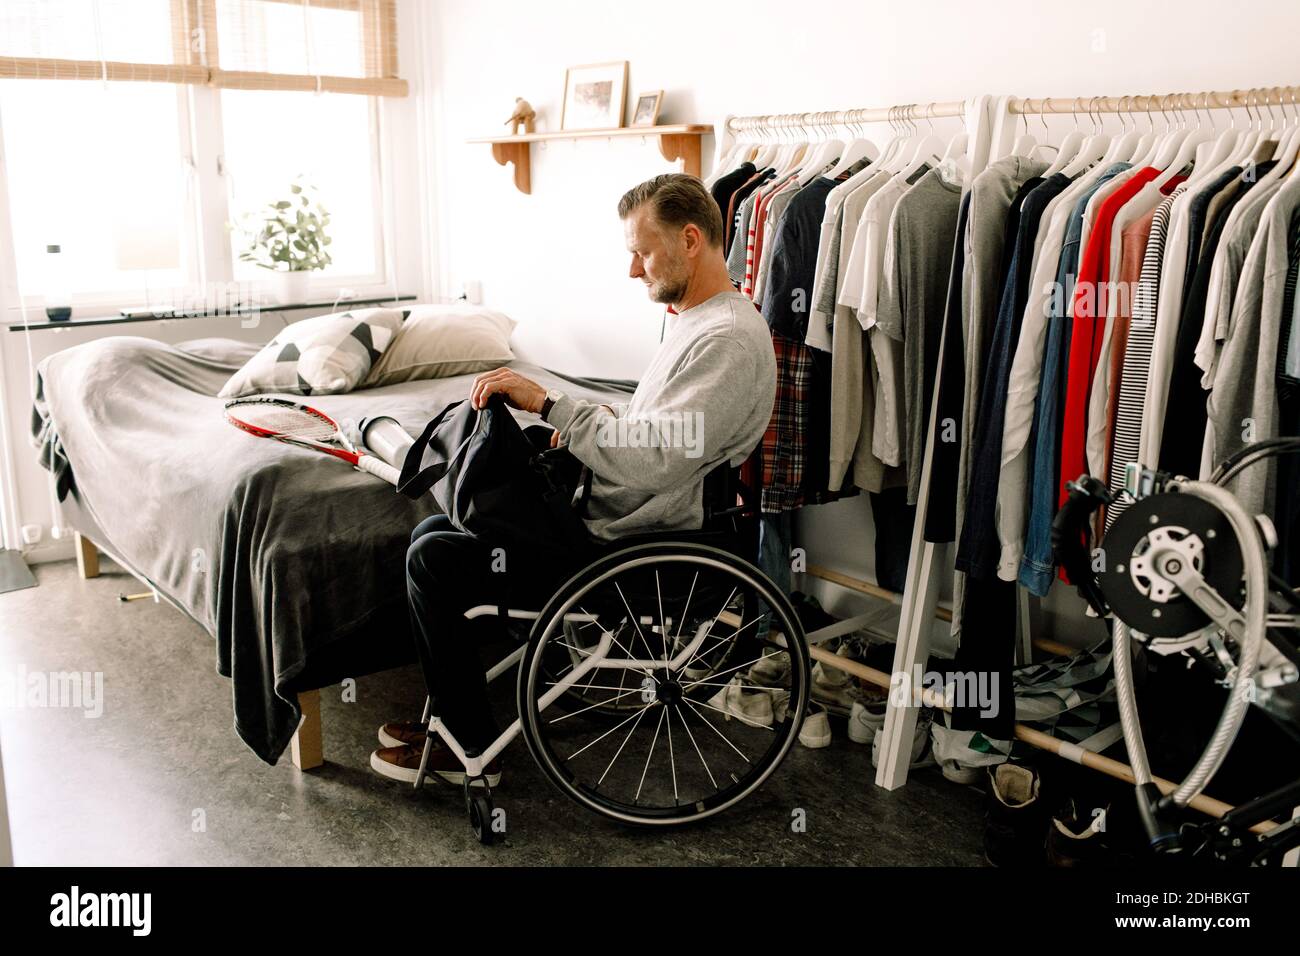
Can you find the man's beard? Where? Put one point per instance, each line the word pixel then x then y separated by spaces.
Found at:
pixel 668 291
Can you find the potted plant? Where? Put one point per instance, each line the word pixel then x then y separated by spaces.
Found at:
pixel 288 237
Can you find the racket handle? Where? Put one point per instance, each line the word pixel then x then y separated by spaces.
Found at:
pixel 380 469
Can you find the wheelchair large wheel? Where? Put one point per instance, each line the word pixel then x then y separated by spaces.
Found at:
pixel 660 639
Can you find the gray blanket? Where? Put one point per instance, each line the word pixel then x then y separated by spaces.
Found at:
pixel 279 553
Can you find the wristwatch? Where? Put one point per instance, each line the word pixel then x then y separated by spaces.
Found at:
pixel 552 396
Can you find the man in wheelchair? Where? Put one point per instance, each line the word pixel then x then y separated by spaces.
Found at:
pixel 705 400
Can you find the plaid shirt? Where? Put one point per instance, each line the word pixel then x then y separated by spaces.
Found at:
pixel 785 440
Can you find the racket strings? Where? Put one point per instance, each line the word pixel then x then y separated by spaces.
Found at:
pixel 285 421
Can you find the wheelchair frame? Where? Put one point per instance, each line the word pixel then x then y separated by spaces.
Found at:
pixel 475 765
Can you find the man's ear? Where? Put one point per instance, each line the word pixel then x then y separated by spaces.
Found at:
pixel 693 238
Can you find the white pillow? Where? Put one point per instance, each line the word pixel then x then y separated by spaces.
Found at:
pixel 437 341
pixel 319 356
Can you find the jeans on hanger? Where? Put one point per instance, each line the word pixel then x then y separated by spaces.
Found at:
pixel 894 519
pixel 775 533
pixel 1036 564
pixel 987 651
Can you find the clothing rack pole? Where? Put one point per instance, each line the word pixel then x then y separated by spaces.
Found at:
pixel 1150 103
pixel 878 114
pixel 921 590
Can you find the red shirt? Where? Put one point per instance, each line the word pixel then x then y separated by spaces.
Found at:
pixel 1087 331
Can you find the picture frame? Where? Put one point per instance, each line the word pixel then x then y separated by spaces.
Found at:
pixel 595 96
pixel 645 111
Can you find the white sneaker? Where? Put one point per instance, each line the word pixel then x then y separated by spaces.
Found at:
pixel 772 670
pixel 780 704
pixel 753 708
pixel 922 756
pixel 834 687
pixel 865 721
pixel 959 773
pixel 815 732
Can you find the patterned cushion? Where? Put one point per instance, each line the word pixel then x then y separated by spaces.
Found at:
pixel 319 356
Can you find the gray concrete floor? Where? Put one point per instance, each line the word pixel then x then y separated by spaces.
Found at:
pixel 161 777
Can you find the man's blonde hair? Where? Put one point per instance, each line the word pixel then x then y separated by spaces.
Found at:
pixel 677 199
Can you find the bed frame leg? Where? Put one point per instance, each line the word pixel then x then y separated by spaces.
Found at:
pixel 306 744
pixel 87 557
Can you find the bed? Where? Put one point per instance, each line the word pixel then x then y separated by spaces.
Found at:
pixel 293 564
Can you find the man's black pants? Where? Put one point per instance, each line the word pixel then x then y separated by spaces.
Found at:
pixel 449 571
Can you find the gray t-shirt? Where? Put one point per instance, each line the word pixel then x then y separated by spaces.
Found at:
pixel 705 398
pixel 992 193
pixel 918 261
pixel 1243 405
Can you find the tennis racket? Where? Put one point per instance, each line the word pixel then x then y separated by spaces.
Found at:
pixel 297 424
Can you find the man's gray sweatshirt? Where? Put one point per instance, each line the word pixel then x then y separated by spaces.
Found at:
pixel 706 398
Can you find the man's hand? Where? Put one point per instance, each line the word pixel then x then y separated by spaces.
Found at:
pixel 521 393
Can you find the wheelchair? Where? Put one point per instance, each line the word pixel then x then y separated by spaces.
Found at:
pixel 625 682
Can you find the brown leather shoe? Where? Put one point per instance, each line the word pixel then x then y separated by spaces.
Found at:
pixel 403 763
pixel 399 733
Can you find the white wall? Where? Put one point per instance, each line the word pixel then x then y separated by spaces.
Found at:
pixel 555 260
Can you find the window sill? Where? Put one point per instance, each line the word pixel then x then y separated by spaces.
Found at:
pixel 78 323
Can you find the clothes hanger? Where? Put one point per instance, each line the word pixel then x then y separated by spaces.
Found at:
pixel 889 158
pixel 1144 141
pixel 796 152
pixel 1295 121
pixel 784 152
pixel 871 169
pixel 1184 155
pixel 954 164
pixel 1026 143
pixel 1252 138
pixel 1152 145
pixel 1097 151
pixel 822 155
pixel 927 150
pixel 906 140
pixel 1127 144
pixel 859 148
pixel 1219 155
pixel 1172 148
pixel 1287 151
pixel 1068 149
pixel 766 150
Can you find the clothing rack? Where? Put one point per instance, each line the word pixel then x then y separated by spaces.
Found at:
pixel 924 561
pixel 990 124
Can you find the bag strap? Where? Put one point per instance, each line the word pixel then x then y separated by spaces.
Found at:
pixel 413 481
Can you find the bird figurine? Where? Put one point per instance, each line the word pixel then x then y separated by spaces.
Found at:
pixel 524 113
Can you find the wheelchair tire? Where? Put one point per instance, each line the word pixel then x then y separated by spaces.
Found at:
pixel 689 644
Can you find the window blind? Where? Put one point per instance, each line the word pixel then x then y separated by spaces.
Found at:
pixel 328 46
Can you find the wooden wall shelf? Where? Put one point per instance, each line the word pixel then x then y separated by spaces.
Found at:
pixel 680 141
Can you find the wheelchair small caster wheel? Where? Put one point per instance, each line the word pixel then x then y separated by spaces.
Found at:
pixel 480 818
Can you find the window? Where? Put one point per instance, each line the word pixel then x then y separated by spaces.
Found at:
pixel 333 149
pixel 98 171
pixel 111 170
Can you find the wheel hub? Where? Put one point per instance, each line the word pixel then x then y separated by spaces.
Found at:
pixel 668 692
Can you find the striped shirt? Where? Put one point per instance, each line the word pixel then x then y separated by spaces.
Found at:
pixel 1137 357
